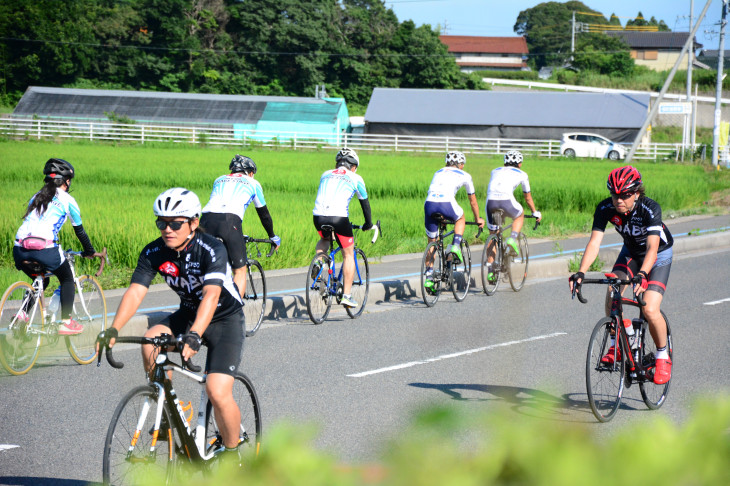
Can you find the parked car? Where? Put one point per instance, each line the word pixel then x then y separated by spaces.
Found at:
pixel 579 144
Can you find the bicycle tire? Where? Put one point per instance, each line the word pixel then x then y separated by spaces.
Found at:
pixel 82 347
pixel 19 348
pixel 460 274
pixel 128 460
pixel 360 285
pixel 604 383
pixel 319 298
pixel 517 264
pixel 491 245
pixel 654 395
pixel 431 296
pixel 254 298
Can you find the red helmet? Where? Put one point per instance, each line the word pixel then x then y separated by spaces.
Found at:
pixel 624 180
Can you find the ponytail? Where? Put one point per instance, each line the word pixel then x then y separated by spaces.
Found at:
pixel 44 197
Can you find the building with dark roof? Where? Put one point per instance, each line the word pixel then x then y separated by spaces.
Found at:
pixel 656 50
pixel 474 53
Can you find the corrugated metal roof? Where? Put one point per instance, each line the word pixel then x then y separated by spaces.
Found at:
pixel 519 108
pixel 494 45
pixel 653 40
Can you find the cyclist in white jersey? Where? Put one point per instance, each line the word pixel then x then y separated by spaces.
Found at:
pixel 223 215
pixel 37 238
pixel 336 189
pixel 441 199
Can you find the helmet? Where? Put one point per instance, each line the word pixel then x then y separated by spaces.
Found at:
pixel 347 156
pixel 624 180
pixel 177 201
pixel 241 163
pixel 58 169
pixel 513 158
pixel 455 158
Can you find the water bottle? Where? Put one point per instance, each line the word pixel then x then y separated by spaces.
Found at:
pixel 630 333
pixel 55 302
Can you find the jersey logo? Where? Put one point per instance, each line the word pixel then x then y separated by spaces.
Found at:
pixel 339 171
pixel 616 220
pixel 235 174
pixel 169 268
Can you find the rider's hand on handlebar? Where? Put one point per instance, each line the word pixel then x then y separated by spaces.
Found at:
pixel 368 225
pixel 538 215
pixel 641 282
pixel 480 222
pixel 575 280
pixel 276 240
pixel 192 342
pixel 106 338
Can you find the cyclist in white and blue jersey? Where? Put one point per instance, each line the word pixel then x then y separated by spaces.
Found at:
pixel 336 189
pixel 37 238
pixel 223 215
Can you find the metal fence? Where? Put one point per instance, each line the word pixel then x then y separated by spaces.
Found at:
pixel 37 129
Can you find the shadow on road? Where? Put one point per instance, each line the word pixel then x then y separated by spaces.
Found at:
pixel 36 481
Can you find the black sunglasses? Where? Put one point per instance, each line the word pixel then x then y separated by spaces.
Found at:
pixel 622 196
pixel 175 225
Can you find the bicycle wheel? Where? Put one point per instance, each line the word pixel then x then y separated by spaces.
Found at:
pixel 319 298
pixel 604 382
pixel 360 284
pixel 21 328
pixel 250 433
pixel 254 299
pixel 130 455
pixel 435 279
pixel 460 275
pixel 653 394
pixel 491 249
pixel 92 315
pixel 517 264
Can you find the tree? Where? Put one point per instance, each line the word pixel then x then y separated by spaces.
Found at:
pixel 640 21
pixel 604 55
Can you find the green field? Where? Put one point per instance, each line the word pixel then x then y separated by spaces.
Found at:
pixel 117 184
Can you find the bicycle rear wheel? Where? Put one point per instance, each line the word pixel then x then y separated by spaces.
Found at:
pixel 91 315
pixel 460 275
pixel 604 382
pixel 491 250
pixel 21 328
pixel 654 395
pixel 132 456
pixel 432 284
pixel 517 264
pixel 360 284
pixel 319 298
pixel 254 299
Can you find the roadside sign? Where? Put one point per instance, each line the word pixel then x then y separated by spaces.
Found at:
pixel 675 108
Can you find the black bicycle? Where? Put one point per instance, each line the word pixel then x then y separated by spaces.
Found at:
pixel 254 298
pixel 440 270
pixel 632 359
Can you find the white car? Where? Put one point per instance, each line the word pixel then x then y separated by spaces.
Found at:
pixel 578 144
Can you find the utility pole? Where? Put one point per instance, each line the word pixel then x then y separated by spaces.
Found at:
pixel 688 117
pixel 718 88
pixel 572 36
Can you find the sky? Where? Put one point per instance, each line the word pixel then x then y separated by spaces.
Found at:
pixel 497 18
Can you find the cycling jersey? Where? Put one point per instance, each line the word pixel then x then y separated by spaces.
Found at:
pixel 49 224
pixel 446 182
pixel 336 188
pixel 504 180
pixel 644 220
pixel 203 261
pixel 233 193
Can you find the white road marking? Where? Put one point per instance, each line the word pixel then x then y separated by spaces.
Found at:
pixel 455 355
pixel 5 447
pixel 717 302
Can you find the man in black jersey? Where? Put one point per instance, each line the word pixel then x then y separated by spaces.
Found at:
pixel 646 256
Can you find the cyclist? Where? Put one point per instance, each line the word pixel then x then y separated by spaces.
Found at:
pixel 336 188
pixel 195 266
pixel 223 215
pixel 441 199
pixel 37 238
pixel 500 195
pixel 645 258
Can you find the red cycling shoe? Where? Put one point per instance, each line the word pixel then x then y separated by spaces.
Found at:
pixel 608 357
pixel 663 371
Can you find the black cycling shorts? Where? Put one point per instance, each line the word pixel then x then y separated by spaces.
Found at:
pixel 659 274
pixel 342 227
pixel 227 227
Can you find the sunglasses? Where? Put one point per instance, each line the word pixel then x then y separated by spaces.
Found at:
pixel 622 196
pixel 174 225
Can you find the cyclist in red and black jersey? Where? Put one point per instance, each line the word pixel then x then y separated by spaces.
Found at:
pixel 646 256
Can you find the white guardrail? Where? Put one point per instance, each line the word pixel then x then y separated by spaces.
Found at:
pixel 37 129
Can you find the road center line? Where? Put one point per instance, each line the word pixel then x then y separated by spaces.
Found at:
pixel 4 447
pixel 455 355
pixel 715 302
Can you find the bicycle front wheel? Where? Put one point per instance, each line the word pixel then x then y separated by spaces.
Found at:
pixel 132 455
pixel 460 274
pixel 491 272
pixel 254 299
pixel 319 298
pixel 604 382
pixel 653 394
pixel 21 328
pixel 89 310
pixel 432 283
pixel 360 284
pixel 517 264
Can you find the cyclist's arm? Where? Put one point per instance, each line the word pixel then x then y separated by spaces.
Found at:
pixel 85 241
pixel 266 221
pixel 652 248
pixel 475 209
pixel 365 205
pixel 205 312
pixel 591 252
pixel 131 301
pixel 529 201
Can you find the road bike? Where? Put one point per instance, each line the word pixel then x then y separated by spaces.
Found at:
pixel 634 357
pixel 505 264
pixel 152 432
pixel 254 299
pixel 325 283
pixel 439 269
pixel 26 321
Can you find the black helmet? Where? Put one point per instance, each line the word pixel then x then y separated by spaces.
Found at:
pixel 58 169
pixel 241 163
pixel 347 156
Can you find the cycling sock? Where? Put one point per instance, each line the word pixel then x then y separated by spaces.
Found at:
pixel 514 234
pixel 662 353
pixel 457 240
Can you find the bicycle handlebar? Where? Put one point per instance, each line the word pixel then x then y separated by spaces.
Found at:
pixel 101 255
pixel 163 340
pixel 272 248
pixel 609 280
pixel 375 228
pixel 474 223
pixel 537 223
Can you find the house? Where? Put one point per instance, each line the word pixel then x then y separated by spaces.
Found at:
pixel 657 50
pixel 487 53
pixel 711 58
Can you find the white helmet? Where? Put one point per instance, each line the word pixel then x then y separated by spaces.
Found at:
pixel 513 157
pixel 455 158
pixel 177 201
pixel 347 156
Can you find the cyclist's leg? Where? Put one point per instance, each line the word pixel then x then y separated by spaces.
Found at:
pixel 174 324
pixel 66 281
pixel 323 245
pixel 432 228
pixel 219 388
pixel 624 267
pixel 348 268
pixel 228 228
